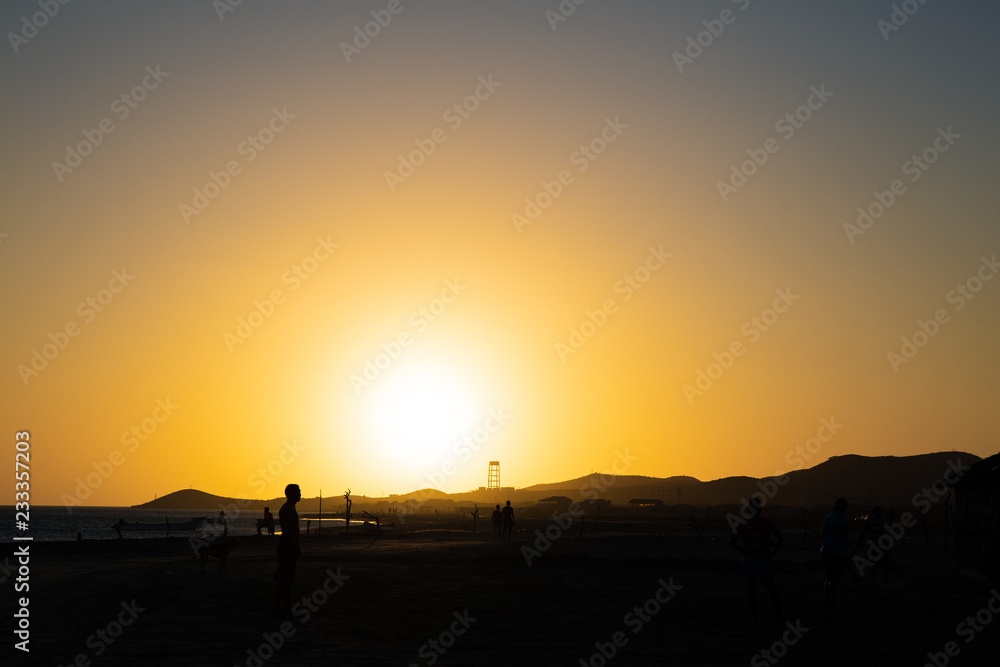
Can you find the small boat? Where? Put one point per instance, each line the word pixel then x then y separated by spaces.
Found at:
pixel 192 524
pixel 377 528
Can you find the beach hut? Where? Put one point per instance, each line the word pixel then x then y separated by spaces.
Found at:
pixel 557 504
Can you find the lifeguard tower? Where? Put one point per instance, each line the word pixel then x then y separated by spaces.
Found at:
pixel 493 477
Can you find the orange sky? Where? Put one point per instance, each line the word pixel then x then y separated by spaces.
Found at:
pixel 215 277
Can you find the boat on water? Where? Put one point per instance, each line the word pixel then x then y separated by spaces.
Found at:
pixel 167 525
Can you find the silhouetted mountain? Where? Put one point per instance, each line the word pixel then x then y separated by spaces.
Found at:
pixel 594 480
pixel 874 479
pixel 863 480
pixel 192 499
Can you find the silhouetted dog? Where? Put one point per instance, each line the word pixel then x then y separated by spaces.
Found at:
pixel 220 550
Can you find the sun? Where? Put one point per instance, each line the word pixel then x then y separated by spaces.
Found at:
pixel 417 411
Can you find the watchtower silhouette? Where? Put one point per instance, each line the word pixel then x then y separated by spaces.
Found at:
pixel 493 477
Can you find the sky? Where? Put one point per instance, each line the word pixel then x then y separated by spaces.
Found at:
pixel 376 245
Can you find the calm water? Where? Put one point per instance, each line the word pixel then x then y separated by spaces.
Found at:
pixel 56 523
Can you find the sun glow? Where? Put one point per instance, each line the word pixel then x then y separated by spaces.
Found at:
pixel 416 412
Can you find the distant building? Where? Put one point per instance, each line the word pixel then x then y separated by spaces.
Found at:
pixel 554 504
pixel 500 496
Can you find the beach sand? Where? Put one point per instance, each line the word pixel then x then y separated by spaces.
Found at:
pixel 399 591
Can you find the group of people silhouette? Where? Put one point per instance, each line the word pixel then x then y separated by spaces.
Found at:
pixel 760 540
pixel 503 522
pixel 757 538
pixel 288 550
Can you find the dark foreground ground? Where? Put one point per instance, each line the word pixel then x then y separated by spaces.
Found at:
pixel 398 592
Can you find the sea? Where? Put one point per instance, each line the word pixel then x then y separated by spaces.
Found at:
pixel 58 523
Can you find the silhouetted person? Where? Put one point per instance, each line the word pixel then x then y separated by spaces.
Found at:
pixel 223 522
pixel 497 521
pixel 833 552
pixel 288 551
pixel 871 529
pixel 267 522
pixel 758 550
pixel 507 521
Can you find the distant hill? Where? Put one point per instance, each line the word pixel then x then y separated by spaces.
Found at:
pixel 863 480
pixel 192 499
pixel 595 480
pixel 874 479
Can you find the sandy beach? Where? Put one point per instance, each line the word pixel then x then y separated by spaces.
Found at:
pixel 380 600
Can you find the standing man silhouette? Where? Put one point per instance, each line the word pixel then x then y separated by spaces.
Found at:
pixel 507 516
pixel 288 551
pixel 497 521
pixel 269 521
pixel 761 541
pixel 834 550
